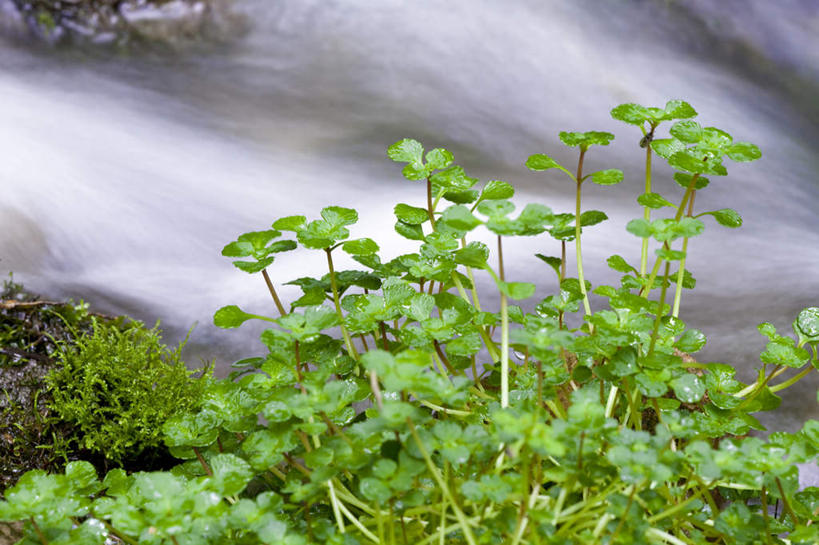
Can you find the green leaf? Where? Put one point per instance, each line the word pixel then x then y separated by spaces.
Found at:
pixel 496 189
pixel 743 152
pixel 230 474
pixel 459 217
pixel 412 232
pixel 361 246
pixel 666 147
pixel 689 162
pixel 806 325
pixel 290 223
pixel 678 109
pixel 517 290
pixel 406 151
pixel 375 490
pixel 338 216
pixel 586 139
pixel 611 176
pixel 438 158
pixel 540 161
pixel 553 262
pixel 688 388
pixel 691 341
pixel 670 255
pixel 231 316
pixel 640 227
pixel 726 217
pixel 473 254
pixel 619 264
pixel 689 132
pixel 633 114
pixel 465 345
pixel 684 180
pixel 592 217
pixel 411 215
pixel 654 200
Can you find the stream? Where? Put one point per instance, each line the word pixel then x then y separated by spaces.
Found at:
pixel 123 175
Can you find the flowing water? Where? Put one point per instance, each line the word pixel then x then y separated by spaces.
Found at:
pixel 123 176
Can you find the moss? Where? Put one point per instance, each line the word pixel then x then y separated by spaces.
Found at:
pixel 117 387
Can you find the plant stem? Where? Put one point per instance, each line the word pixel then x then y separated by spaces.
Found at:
pixel 272 291
pixel 444 487
pixel 580 277
pixel 336 510
pixel 334 285
pixel 39 532
pixel 793 380
pixel 660 304
pixel 681 273
pixel 430 206
pixel 202 462
pixel 680 210
pixel 504 334
pixel 646 214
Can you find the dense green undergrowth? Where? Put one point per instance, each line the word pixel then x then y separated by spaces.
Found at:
pixel 393 405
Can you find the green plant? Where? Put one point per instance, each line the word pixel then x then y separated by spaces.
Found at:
pixel 414 425
pixel 117 387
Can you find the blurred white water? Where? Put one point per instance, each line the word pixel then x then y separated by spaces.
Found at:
pixel 122 177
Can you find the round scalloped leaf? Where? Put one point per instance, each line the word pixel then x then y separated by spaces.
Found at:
pixel 727 217
pixel 687 131
pixel 412 232
pixel 237 249
pixel 640 227
pixel 633 114
pixel 475 254
pixel 252 267
pixel 231 316
pixel 592 217
pixel 689 162
pixel 742 152
pixel 411 215
pixel 497 189
pixel 666 147
pixel 438 158
pixel 610 176
pixel 619 264
pixel 517 290
pixel 688 388
pixel 806 325
pixel 586 139
pixel 684 180
pixel 670 255
pixel 230 474
pixel 406 151
pixel 541 161
pixel 361 246
pixel 678 109
pixel 691 341
pixel 338 216
pixel 653 200
pixel 459 217
pixel 290 223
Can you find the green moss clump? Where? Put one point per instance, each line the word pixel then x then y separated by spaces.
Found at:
pixel 118 387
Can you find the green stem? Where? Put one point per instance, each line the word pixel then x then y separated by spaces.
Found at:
pixel 272 291
pixel 681 272
pixel 680 210
pixel 646 215
pixel 430 206
pixel 580 277
pixel 793 380
pixel 39 532
pixel 660 304
pixel 334 285
pixel 470 538
pixel 487 340
pixel 504 334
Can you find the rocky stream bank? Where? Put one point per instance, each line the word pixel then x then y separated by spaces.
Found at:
pixel 121 24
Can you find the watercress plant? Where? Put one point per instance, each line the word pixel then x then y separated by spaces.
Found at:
pixel 388 408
